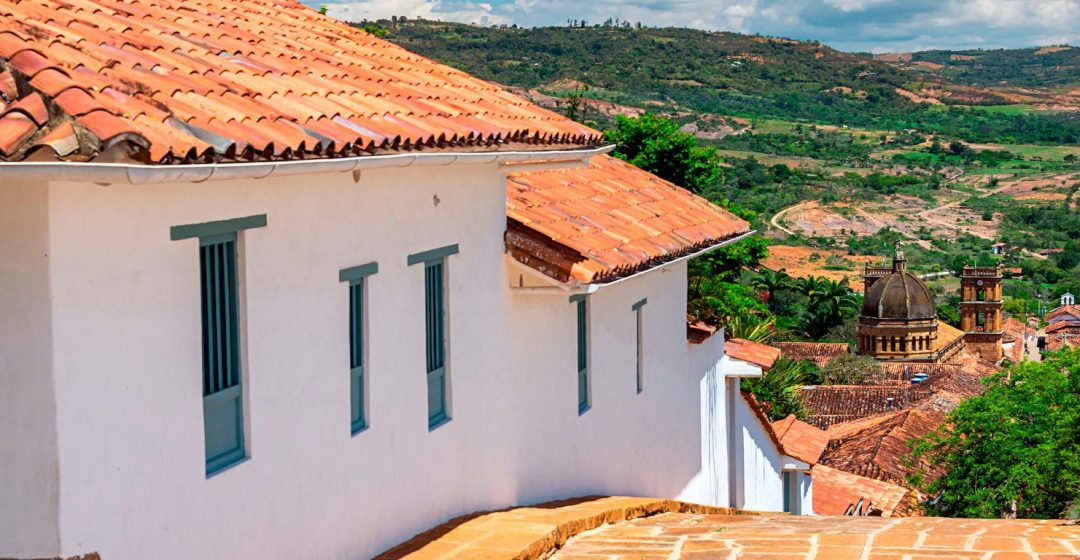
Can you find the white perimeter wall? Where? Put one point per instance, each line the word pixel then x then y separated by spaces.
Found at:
pixel 28 468
pixel 759 461
pixel 126 329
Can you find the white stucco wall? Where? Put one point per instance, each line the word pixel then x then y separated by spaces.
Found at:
pixel 805 482
pixel 28 467
pixel 711 484
pixel 127 369
pixel 627 443
pixel 759 461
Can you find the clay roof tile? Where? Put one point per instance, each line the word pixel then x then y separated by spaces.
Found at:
pixel 600 212
pixel 362 91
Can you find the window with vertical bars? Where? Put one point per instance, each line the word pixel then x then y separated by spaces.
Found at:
pixel 582 357
pixel 356 355
pixel 223 420
pixel 639 357
pixel 435 320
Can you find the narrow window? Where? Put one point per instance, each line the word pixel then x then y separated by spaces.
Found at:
pixel 435 312
pixel 223 411
pixel 639 328
pixel 356 355
pixel 582 353
pixel 222 376
pixel 356 277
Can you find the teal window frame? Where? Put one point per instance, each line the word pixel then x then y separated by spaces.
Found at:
pixel 357 277
pixel 222 368
pixel 581 314
pixel 435 319
pixel 639 343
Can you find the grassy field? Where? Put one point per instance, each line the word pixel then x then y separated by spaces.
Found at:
pixel 1020 109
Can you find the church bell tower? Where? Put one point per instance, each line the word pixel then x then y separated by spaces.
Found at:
pixel 980 310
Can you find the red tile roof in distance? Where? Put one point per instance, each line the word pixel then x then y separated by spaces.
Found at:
pixel 877 447
pixel 608 220
pixel 761 355
pixel 182 81
pixel 801 440
pixel 817 352
pixel 836 490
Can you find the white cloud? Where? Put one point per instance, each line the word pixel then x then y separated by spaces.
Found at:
pixel 847 5
pixel 876 25
pixel 468 12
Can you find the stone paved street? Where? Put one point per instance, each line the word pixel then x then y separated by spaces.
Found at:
pixel 716 537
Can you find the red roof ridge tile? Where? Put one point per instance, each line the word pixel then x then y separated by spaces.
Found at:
pixel 756 353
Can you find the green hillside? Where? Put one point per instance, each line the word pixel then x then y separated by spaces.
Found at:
pixel 1041 67
pixel 686 72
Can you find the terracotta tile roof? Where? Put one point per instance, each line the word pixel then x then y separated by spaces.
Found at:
pixel 761 355
pixel 833 404
pixel 947 385
pixel 1013 329
pixel 607 220
pixel 947 335
pixel 876 447
pixel 835 491
pixel 801 440
pixel 903 371
pixel 818 352
pixel 699 332
pixel 1058 341
pixel 1061 326
pixel 1070 312
pixel 167 81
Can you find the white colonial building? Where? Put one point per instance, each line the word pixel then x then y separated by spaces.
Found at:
pixel 277 289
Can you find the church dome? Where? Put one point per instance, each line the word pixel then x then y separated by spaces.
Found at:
pixel 899 295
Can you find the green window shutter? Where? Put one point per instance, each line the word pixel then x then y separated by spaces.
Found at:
pixel 639 343
pixel 582 356
pixel 435 321
pixel 223 414
pixel 356 352
pixel 356 277
pixel 434 262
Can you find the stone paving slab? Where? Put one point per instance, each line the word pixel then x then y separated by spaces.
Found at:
pixel 531 533
pixel 672 536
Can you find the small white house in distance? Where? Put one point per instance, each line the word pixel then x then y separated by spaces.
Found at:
pixel 770 476
pixel 299 293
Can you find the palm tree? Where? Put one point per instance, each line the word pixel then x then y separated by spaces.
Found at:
pixel 809 285
pixel 769 283
pixel 837 296
pixel 829 303
pixel 756 328
pixel 779 387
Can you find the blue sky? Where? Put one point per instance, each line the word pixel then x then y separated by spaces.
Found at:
pixel 852 25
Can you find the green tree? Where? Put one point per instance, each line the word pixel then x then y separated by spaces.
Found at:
pixel 852 369
pixel 755 328
pixel 769 284
pixel 711 299
pixel 829 303
pixel 779 387
pixel 1014 451
pixel 655 144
